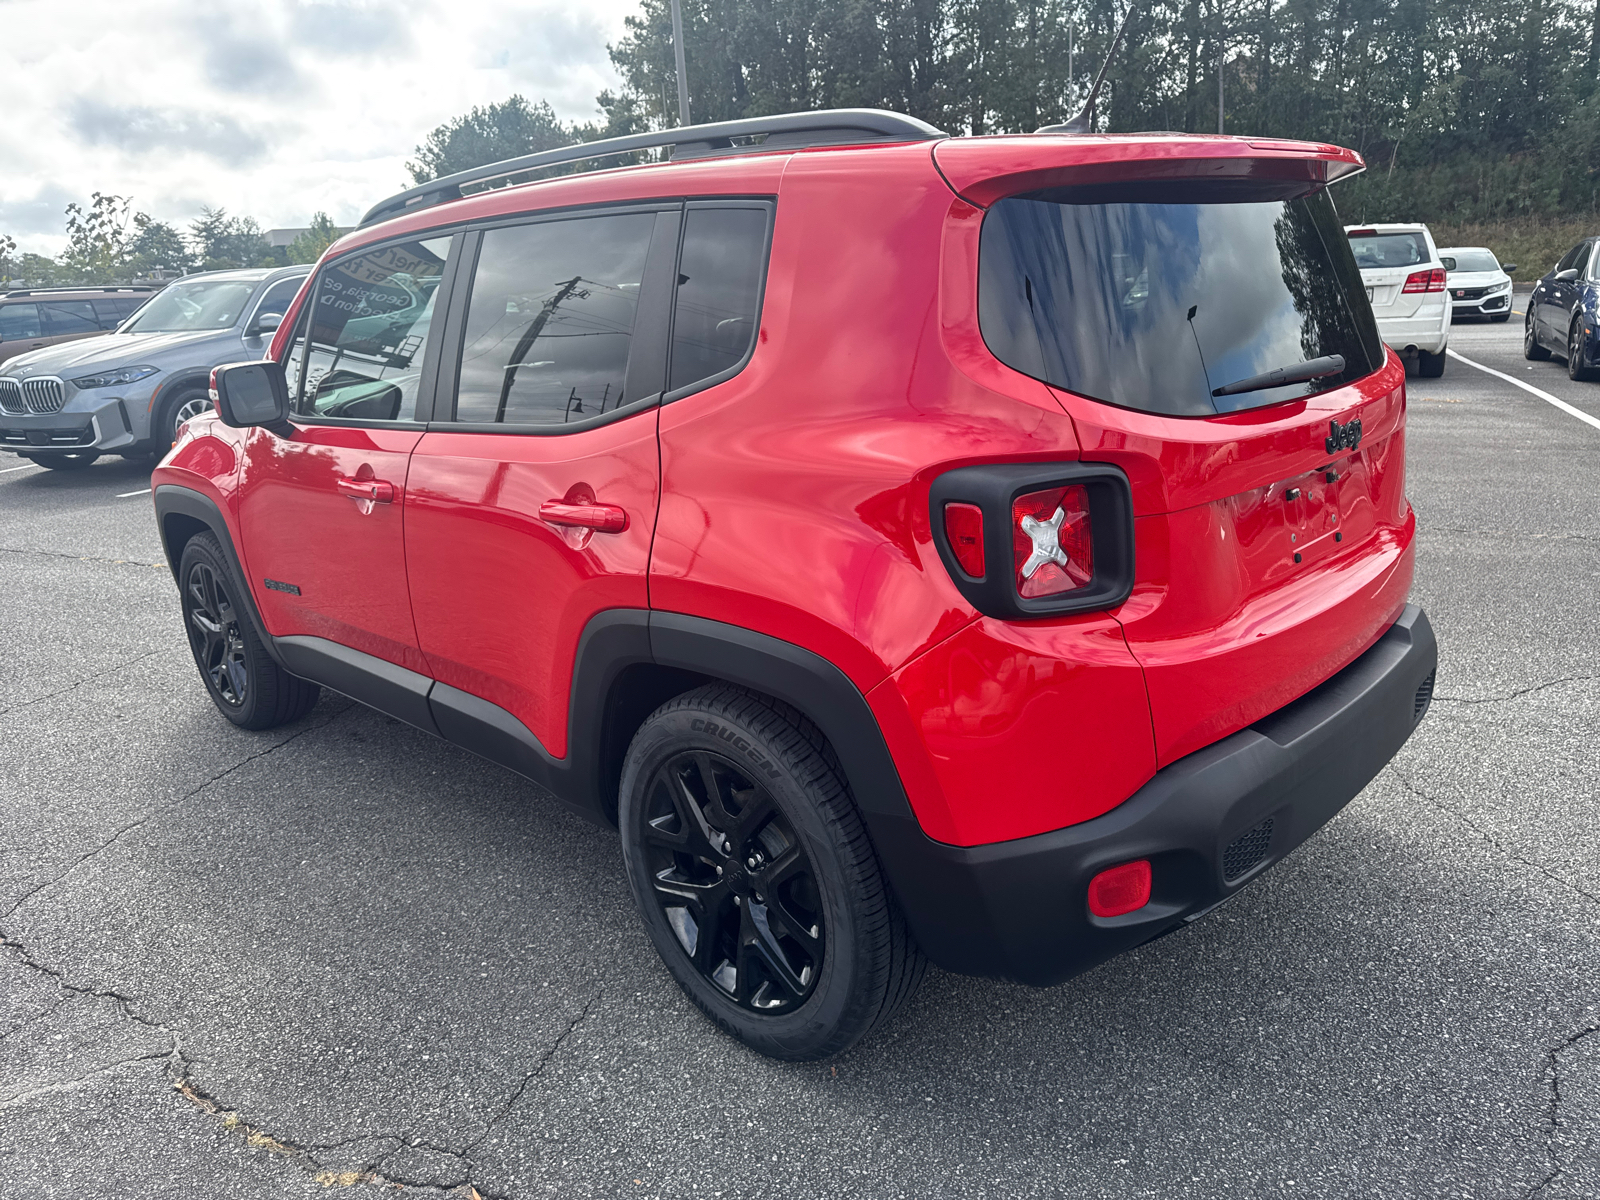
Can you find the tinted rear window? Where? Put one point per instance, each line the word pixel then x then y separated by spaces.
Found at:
pixel 1469 260
pixel 1389 249
pixel 1127 297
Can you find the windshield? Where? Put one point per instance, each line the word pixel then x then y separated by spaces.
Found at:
pixel 1155 306
pixel 1468 260
pixel 203 304
pixel 1388 249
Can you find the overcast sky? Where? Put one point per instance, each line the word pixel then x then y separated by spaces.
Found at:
pixel 272 110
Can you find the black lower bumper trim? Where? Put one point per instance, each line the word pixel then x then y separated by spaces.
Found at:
pixel 1209 824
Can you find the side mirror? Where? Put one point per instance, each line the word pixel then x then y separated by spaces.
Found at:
pixel 1566 276
pixel 266 323
pixel 254 393
pixel 1449 263
pixel 1508 268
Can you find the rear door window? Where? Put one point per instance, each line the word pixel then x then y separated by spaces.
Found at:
pixel 550 320
pixel 369 322
pixel 62 318
pixel 19 321
pixel 1382 250
pixel 719 292
pixel 1129 298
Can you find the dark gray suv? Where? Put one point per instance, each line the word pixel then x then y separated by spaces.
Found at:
pixel 127 392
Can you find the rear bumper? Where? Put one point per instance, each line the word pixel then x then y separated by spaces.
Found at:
pixel 1209 823
pixel 1428 331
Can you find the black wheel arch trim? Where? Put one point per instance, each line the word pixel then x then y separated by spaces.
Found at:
pixel 173 500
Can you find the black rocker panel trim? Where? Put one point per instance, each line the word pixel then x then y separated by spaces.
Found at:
pixel 172 500
pixel 375 682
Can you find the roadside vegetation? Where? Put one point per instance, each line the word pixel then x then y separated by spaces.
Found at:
pixel 1478 117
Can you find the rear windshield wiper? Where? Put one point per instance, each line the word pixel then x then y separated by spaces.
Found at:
pixel 1316 368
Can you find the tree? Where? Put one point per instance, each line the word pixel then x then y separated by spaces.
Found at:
pixel 156 247
pixel 97 239
pixel 222 242
pixel 8 259
pixel 308 247
pixel 485 135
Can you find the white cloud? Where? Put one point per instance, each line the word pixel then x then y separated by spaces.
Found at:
pixel 274 109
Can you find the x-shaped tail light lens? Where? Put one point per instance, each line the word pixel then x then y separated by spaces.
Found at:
pixel 1052 548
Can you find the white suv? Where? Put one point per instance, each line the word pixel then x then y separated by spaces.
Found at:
pixel 1405 280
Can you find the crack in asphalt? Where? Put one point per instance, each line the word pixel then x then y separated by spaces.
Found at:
pixel 162 809
pixel 1517 695
pixel 1489 837
pixel 120 562
pixel 1552 1070
pixel 63 1085
pixel 538 1069
pixel 1545 537
pixel 80 682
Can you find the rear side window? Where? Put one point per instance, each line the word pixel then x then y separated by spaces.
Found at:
pixel 65 317
pixel 1125 297
pixel 550 320
pixel 1376 250
pixel 718 293
pixel 369 323
pixel 109 313
pixel 19 321
pixel 278 297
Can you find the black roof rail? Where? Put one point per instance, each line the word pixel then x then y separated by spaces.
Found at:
pixel 88 287
pixel 829 126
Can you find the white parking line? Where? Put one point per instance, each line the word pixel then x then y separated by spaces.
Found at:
pixel 23 467
pixel 140 492
pixel 1530 389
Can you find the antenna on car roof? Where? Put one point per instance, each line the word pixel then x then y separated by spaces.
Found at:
pixel 1084 121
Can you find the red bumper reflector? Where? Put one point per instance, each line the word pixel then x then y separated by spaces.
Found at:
pixel 1120 889
pixel 963 525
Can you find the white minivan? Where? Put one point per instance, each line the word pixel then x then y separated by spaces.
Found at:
pixel 1405 280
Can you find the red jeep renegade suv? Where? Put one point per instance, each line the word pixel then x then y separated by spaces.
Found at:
pixel 991 551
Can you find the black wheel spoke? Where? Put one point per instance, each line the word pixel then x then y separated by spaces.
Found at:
pixel 218 644
pixel 753 928
pixel 703 838
pixel 764 949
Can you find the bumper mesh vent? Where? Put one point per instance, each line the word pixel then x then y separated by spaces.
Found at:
pixel 44 395
pixel 1424 697
pixel 1246 852
pixel 11 398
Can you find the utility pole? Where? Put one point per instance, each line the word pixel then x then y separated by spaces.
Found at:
pixel 683 72
pixel 1072 81
pixel 1221 56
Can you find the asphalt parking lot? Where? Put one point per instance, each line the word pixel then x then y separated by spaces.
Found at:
pixel 344 957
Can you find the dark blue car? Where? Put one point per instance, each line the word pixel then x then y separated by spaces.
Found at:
pixel 1564 310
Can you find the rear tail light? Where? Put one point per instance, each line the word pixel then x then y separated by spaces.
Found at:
pixel 1425 281
pixel 963 525
pixel 1121 889
pixel 1035 539
pixel 1051 549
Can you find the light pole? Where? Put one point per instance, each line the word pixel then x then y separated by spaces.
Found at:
pixel 677 53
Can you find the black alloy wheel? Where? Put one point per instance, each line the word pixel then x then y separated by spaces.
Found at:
pixel 215 636
pixel 733 881
pixel 1576 368
pixel 1532 350
pixel 755 878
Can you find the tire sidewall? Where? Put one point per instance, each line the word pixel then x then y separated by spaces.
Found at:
pixel 811 1030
